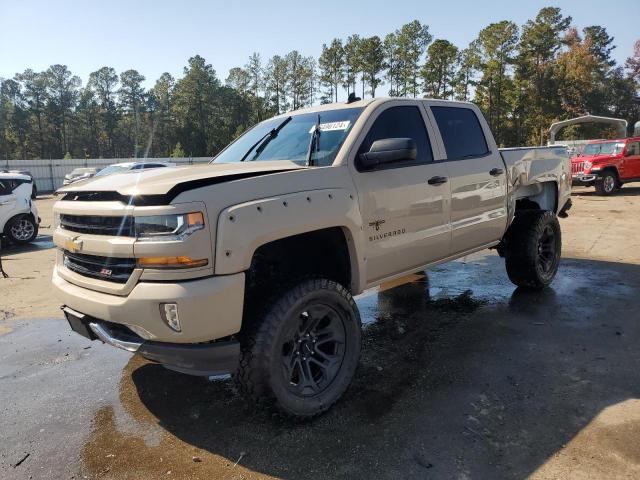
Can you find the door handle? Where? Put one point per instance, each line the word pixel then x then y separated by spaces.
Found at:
pixel 494 172
pixel 437 180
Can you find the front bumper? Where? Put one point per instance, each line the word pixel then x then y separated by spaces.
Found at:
pixel 209 308
pixel 204 359
pixel 582 179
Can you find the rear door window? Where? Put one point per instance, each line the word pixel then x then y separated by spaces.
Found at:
pixel 461 132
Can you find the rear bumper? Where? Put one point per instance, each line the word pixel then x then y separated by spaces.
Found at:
pixel 208 308
pixel 201 359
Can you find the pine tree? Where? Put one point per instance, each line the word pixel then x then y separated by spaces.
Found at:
pixel 495 91
pixel 372 63
pixel 412 41
pixel 439 70
pixel 352 63
pixel 537 100
pixel 331 65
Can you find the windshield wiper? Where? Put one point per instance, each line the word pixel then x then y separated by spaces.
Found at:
pixel 314 143
pixel 264 141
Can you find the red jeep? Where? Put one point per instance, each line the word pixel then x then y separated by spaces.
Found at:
pixel 607 164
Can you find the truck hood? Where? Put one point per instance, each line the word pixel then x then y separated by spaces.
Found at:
pixel 169 180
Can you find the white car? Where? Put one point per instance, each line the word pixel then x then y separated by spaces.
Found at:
pixel 18 213
pixel 79 174
pixel 131 166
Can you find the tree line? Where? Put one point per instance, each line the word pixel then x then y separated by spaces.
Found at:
pixel 522 77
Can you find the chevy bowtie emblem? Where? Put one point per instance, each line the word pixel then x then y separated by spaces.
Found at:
pixel 73 245
pixel 376 224
pixel 105 272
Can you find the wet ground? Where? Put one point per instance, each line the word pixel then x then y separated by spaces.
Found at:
pixel 462 376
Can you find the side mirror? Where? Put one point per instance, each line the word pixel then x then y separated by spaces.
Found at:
pixel 389 150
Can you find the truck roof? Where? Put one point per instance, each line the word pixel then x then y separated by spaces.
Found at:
pixel 364 103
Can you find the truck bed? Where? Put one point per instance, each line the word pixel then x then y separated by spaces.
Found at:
pixel 529 167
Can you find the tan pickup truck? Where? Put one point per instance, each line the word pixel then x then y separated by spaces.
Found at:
pixel 248 265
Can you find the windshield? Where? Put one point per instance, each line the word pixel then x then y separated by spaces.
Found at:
pixel 292 141
pixel 112 169
pixel 607 148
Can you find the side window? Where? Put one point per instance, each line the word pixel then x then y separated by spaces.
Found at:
pixel 461 132
pixel 401 122
pixel 634 148
pixel 5 187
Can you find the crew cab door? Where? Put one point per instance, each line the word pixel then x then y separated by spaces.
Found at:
pixel 477 176
pixel 404 204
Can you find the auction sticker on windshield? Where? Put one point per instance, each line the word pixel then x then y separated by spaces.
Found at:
pixel 328 127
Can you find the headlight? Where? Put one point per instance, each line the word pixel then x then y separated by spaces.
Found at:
pixel 587 165
pixel 166 228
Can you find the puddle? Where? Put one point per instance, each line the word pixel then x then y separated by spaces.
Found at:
pixel 430 347
pixel 42 242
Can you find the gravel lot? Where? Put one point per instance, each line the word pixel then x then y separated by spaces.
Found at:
pixel 462 376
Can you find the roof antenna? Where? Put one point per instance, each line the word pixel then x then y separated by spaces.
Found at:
pixel 352 98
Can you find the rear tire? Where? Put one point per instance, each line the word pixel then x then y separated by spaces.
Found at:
pixel 301 355
pixel 533 248
pixel 607 184
pixel 21 229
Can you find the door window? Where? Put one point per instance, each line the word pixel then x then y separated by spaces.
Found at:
pixel 633 149
pixel 461 132
pixel 401 122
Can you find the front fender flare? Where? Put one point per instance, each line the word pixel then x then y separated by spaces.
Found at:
pixel 245 227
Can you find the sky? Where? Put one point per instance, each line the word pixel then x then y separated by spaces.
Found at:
pixel 159 36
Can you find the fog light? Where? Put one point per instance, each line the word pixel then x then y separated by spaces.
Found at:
pixel 169 313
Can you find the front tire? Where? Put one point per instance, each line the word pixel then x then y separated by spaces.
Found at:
pixel 301 355
pixel 607 184
pixel 22 229
pixel 533 248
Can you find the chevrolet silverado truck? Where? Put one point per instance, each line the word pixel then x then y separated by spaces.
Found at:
pixel 249 265
pixel 607 164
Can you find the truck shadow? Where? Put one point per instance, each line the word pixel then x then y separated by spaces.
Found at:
pixel 631 190
pixel 42 242
pixel 461 375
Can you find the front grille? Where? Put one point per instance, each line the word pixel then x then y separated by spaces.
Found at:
pixel 116 270
pixel 577 167
pixel 98 225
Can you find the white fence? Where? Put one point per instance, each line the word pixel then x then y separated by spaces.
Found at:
pixel 49 174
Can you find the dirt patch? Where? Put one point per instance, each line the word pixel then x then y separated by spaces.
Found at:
pixel 27 292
